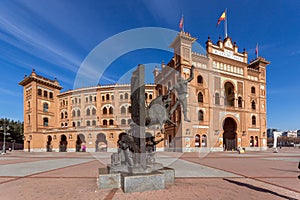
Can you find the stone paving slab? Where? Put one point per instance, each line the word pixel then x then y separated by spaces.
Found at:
pixel 28 168
pixel 289 159
pixel 187 169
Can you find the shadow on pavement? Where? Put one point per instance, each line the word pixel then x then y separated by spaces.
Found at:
pixel 258 189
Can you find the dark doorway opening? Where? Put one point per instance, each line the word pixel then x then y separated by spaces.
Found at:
pixel 101 143
pixel 80 143
pixel 49 145
pixel 229 135
pixel 63 143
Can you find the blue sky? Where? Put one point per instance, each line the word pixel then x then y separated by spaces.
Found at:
pixel 55 36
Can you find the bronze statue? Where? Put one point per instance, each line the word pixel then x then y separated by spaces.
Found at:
pixel 182 92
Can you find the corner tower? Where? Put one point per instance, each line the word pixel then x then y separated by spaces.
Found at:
pixel 40 105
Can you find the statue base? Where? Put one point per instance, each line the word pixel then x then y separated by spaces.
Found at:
pixel 135 182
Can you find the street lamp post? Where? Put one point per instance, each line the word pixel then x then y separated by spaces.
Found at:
pixel 4 128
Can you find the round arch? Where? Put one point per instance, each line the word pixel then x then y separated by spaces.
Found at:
pixel 63 144
pixel 229 134
pixel 101 142
pixel 80 142
pixel 49 143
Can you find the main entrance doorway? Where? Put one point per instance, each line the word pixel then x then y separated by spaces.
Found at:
pixel 229 135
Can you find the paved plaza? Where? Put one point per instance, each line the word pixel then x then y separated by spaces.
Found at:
pixel 202 175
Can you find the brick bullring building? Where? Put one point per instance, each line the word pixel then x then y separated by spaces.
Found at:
pixel 226 105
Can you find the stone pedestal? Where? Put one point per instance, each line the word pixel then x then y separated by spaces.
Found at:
pixel 139 182
pixel 142 182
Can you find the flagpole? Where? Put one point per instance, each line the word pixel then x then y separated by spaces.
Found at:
pixel 225 24
pixel 183 23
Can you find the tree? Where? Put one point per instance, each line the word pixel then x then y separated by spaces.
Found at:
pixel 16 130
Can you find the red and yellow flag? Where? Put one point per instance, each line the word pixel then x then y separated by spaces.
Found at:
pixel 181 23
pixel 223 17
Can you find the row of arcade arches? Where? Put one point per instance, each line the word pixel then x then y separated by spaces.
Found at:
pixel 100 143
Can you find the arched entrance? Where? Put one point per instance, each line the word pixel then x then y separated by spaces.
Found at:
pixel 101 142
pixel 229 135
pixel 80 143
pixel 49 145
pixel 63 143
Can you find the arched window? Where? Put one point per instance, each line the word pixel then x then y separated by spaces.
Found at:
pixel 28 104
pixel 217 99
pixel 78 113
pixel 200 116
pixel 229 94
pixel 51 95
pixel 103 98
pixel 73 113
pixel 126 95
pixel 94 111
pixel 199 79
pixel 200 97
pixel 129 109
pixel 104 111
pixel 251 141
pixel 45 93
pixel 197 140
pixel 28 119
pixel 94 122
pixel 150 96
pixel 253 120
pixel 66 114
pixel 253 106
pixel 123 110
pixel 88 112
pixel 73 124
pixel 121 96
pixel 111 110
pixel 253 90
pixel 240 102
pixel 107 97
pixel 88 123
pixel 91 98
pixel 146 95
pixel 78 124
pixel 204 141
pixel 45 121
pixel 111 122
pixel 128 121
pixel 62 115
pixel 39 92
pixel 123 121
pixel 112 97
pixel 105 122
pixel 45 107
pixel 256 141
